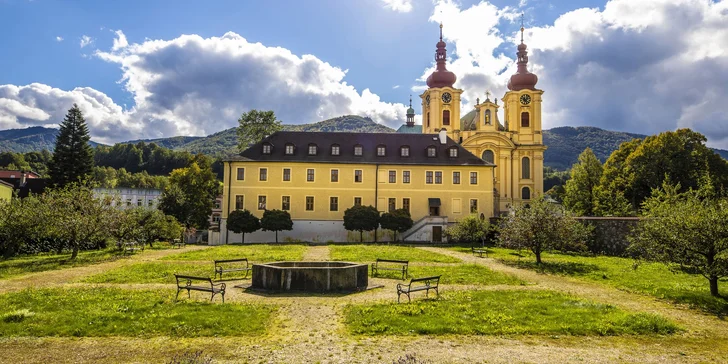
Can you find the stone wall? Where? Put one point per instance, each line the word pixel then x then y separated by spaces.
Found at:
pixel 610 234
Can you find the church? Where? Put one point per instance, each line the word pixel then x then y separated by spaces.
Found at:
pixel 441 171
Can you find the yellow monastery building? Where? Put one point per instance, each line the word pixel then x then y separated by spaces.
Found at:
pixel 447 168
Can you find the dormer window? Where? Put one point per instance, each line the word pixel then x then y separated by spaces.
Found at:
pixel 289 149
pixel 431 151
pixel 404 151
pixel 358 150
pixel 381 151
pixel 266 148
pixel 335 149
pixel 312 149
pixel 453 152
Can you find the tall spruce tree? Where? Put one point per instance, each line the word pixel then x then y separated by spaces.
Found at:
pixel 73 158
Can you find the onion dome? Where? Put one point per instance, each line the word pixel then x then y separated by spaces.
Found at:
pixel 522 80
pixel 441 77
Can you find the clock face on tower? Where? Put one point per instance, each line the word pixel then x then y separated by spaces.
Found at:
pixel 525 99
pixel 427 100
pixel 446 97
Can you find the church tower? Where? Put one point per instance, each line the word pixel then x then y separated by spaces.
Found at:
pixel 441 101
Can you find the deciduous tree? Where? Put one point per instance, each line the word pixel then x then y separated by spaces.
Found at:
pixel 242 221
pixel 254 125
pixel 191 193
pixel 398 221
pixel 580 188
pixel 469 229
pixel 361 219
pixel 276 220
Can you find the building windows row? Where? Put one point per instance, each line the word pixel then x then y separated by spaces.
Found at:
pixel 431 177
pixel 404 151
pixel 286 203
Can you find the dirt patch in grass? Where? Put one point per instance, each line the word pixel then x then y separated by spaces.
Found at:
pixel 254 253
pixel 370 253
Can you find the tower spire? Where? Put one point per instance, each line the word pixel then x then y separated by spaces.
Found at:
pixel 522 28
pixel 441 77
pixel 440 31
pixel 410 114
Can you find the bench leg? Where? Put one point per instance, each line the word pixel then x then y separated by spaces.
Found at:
pixel 177 296
pixel 188 294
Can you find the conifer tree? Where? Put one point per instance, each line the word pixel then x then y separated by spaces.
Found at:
pixel 73 158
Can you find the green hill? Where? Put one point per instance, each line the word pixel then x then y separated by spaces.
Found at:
pixel 564 143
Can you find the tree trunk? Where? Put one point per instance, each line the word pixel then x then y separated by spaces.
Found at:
pixel 276 236
pixel 714 286
pixel 538 256
pixel 361 236
pixel 375 236
pixel 75 254
pixel 243 238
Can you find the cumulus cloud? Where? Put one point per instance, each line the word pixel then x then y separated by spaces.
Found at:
pixel 639 66
pixel 59 39
pixel 86 40
pixel 402 6
pixel 192 85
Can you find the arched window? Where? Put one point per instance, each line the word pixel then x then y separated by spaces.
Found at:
pixel 428 118
pixel 526 193
pixel 526 168
pixel 487 117
pixel 525 120
pixel 489 156
pixel 446 117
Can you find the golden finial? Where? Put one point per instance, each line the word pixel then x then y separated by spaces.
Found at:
pixel 440 30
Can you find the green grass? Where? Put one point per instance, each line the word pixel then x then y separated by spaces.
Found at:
pixel 502 313
pixel 370 253
pixel 255 253
pixel 45 262
pixel 116 312
pixel 654 279
pixel 155 272
pixel 457 274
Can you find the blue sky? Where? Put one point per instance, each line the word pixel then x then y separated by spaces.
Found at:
pixel 599 62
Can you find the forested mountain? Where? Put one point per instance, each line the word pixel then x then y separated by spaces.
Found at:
pixel 564 143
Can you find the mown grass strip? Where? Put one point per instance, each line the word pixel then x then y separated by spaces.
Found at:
pixel 457 274
pixel 44 262
pixel 370 253
pixel 654 279
pixel 256 253
pixel 154 272
pixel 502 313
pixel 89 312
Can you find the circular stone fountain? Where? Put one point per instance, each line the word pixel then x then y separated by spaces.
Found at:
pixel 311 276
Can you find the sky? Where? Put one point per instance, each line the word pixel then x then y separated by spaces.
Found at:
pixel 151 69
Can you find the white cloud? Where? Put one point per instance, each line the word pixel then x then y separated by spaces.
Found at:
pixel 120 41
pixel 395 87
pixel 192 85
pixel 402 6
pixel 86 40
pixel 59 39
pixel 640 66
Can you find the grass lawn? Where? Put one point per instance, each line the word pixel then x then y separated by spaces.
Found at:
pixel 370 253
pixel 155 272
pixel 116 312
pixel 457 274
pixel 44 262
pixel 502 313
pixel 255 253
pixel 653 279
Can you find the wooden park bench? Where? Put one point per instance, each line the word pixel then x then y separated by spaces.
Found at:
pixel 418 284
pixel 203 284
pixel 131 247
pixel 393 265
pixel 178 243
pixel 480 251
pixel 232 265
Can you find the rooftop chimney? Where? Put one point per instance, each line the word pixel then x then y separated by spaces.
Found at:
pixel 443 136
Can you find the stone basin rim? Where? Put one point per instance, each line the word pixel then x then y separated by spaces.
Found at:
pixel 313 264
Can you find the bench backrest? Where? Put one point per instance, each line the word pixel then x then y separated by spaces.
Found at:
pixel 392 261
pixel 424 279
pixel 192 278
pixel 232 261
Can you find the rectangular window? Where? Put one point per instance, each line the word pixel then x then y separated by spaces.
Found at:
pixel 239 199
pixel 335 150
pixel 312 150
pixel 406 177
pixel 289 149
pixel 446 117
pixel 264 174
pixel 453 152
pixel 357 201
pixel 381 151
pixel 216 219
pixel 392 176
pixel 456 206
pixel 266 148
pixel 286 203
pixel 334 175
pixel 473 206
pixel 404 151
pixel 309 175
pixel 286 174
pixel 241 174
pixel 406 204
pixel 128 202
pixel 358 177
pixel 456 178
pixel 140 202
pixel 309 203
pixel 358 150
pixel 428 177
pixel 261 202
pixel 473 178
pixel 431 152
pixel 438 178
pixel 150 203
pixel 392 204
pixel 334 204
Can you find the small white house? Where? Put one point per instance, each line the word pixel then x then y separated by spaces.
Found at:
pixel 130 197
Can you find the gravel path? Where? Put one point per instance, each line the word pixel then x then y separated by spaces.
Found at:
pixel 309 329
